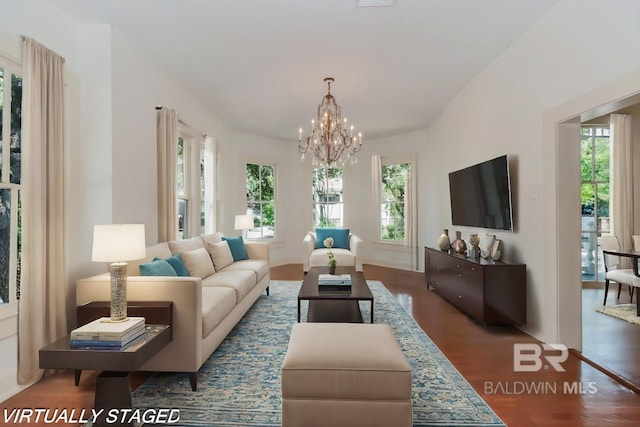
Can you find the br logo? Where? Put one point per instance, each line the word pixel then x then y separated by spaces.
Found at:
pixel 528 357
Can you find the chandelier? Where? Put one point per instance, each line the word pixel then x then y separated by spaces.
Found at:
pixel 330 141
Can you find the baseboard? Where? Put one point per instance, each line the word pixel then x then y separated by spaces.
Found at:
pixel 10 387
pixel 390 264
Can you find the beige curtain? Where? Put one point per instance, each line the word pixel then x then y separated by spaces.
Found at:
pixel 621 180
pixel 42 311
pixel 167 144
pixel 210 184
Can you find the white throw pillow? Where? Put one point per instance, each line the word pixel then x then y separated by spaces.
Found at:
pixel 198 262
pixel 220 254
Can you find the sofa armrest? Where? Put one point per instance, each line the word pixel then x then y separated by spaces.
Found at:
pixel 257 250
pixel 309 242
pixel 354 245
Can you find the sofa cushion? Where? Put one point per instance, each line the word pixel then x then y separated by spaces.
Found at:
pixel 340 237
pixel 343 257
pixel 198 263
pixel 211 238
pixel 238 251
pixel 158 267
pixel 181 246
pixel 160 250
pixel 220 254
pixel 217 302
pixel 242 281
pixel 176 262
pixel 259 266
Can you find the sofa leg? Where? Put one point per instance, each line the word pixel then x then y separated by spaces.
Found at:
pixel 267 291
pixel 193 379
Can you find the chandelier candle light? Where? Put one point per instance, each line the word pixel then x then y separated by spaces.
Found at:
pixel 330 140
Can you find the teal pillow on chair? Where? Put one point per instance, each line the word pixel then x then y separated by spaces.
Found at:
pixel 157 268
pixel 238 250
pixel 340 237
pixel 176 262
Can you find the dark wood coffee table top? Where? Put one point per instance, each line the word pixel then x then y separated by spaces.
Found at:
pixel 334 305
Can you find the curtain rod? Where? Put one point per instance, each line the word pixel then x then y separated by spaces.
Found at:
pixel 204 135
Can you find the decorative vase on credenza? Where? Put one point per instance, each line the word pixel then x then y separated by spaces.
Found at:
pixel 443 241
pixel 458 245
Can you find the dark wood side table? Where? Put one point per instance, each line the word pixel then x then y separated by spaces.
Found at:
pixel 154 312
pixel 113 386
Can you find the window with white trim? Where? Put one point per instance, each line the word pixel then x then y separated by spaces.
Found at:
pixel 328 206
pixel 261 200
pixel 190 184
pixel 393 200
pixel 10 181
pixel 394 191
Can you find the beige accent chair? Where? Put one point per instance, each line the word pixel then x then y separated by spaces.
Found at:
pixel 613 272
pixel 344 257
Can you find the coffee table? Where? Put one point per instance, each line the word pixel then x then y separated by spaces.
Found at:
pixel 334 306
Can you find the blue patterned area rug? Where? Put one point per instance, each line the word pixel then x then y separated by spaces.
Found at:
pixel 239 385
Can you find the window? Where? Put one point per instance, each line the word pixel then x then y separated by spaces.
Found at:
pixel 327 197
pixel 261 200
pixel 393 204
pixel 595 176
pixel 190 184
pixel 10 179
pixel 394 192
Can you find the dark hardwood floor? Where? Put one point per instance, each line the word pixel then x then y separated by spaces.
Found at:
pixel 483 355
pixel 611 343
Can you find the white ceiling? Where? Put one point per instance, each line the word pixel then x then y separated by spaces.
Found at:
pixel 259 65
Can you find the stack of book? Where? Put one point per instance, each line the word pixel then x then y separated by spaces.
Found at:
pixel 102 334
pixel 341 282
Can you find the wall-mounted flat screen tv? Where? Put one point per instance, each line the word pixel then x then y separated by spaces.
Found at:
pixel 481 195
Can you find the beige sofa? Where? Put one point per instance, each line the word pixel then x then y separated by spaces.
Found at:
pixel 205 309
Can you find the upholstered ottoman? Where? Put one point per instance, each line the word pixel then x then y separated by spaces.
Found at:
pixel 344 374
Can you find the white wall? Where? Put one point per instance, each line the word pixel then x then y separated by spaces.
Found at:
pixel 293 194
pixel 501 112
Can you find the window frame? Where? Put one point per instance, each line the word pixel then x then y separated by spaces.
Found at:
pixel 9 310
pixel 193 149
pixel 390 160
pixel 340 203
pixel 274 166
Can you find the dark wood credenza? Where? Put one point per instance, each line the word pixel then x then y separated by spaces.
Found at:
pixel 492 292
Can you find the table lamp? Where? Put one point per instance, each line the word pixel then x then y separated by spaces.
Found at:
pixel 244 222
pixel 118 243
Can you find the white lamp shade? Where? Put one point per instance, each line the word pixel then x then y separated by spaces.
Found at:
pixel 244 222
pixel 118 242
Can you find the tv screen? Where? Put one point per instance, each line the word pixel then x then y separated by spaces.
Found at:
pixel 481 195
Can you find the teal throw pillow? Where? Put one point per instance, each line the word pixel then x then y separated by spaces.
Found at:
pixel 340 237
pixel 238 250
pixel 157 268
pixel 176 262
